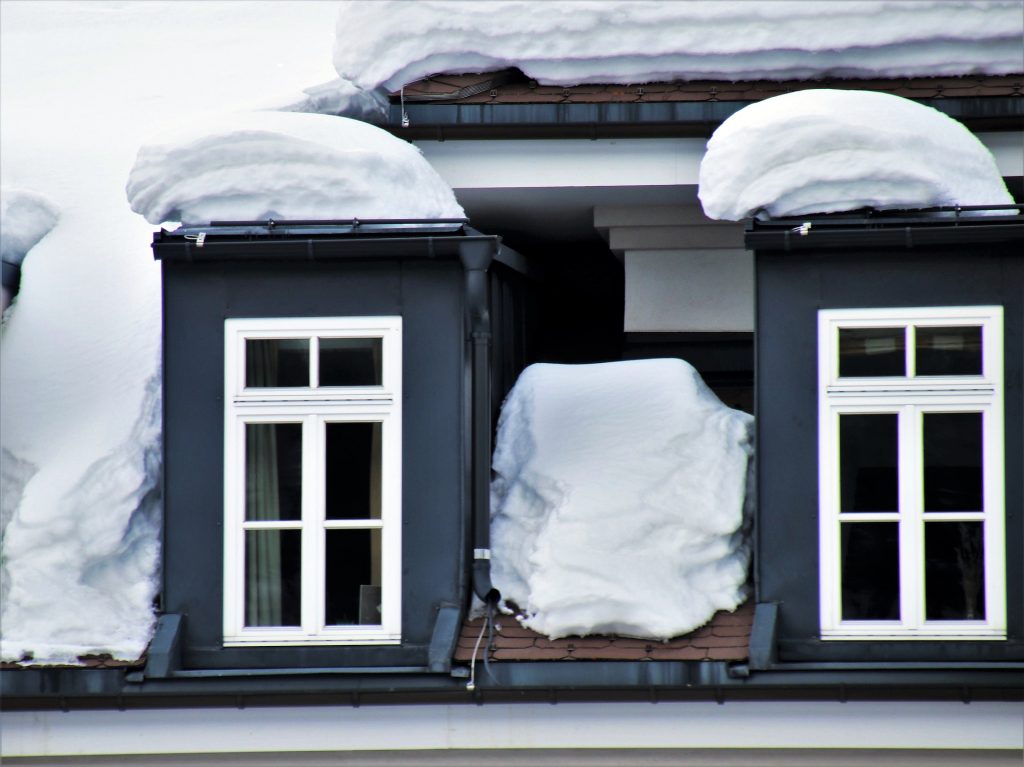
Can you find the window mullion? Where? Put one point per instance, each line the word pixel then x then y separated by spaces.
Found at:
pixel 911 517
pixel 312 517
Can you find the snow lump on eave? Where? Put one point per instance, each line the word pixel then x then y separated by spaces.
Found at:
pixel 286 165
pixel 625 41
pixel 825 151
pixel 619 500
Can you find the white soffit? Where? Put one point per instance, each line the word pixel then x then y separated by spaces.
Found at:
pixel 503 163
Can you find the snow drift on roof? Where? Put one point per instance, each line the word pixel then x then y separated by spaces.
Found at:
pixel 822 151
pixel 25 218
pixel 567 43
pixel 618 502
pixel 286 165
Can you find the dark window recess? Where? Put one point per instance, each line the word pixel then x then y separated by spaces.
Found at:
pixel 273 567
pixel 273 471
pixel 952 462
pixel 870 571
pixel 869 479
pixel 350 362
pixel 352 580
pixel 865 352
pixel 953 351
pixel 353 469
pixel 954 571
pixel 280 362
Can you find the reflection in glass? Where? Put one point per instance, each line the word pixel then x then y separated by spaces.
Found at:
pixel 954 351
pixel 276 362
pixel 350 361
pixel 353 481
pixel 273 471
pixel 871 352
pixel 868 475
pixel 952 462
pixel 353 582
pixel 870 571
pixel 273 563
pixel 954 572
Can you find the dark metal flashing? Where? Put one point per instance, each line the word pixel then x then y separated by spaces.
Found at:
pixel 928 227
pixel 164 655
pixel 763 636
pixel 442 642
pixel 433 121
pixel 328 240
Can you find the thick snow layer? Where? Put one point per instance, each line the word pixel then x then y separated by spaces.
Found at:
pixel 25 218
pixel 84 84
pixel 286 165
pixel 624 41
pixel 822 151
pixel 619 499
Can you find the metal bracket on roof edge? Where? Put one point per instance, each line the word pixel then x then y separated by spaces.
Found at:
pixel 763 636
pixel 164 656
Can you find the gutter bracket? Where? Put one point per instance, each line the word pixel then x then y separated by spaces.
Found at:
pixel 164 657
pixel 446 634
pixel 763 636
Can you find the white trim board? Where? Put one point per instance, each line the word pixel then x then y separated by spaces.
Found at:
pixel 746 724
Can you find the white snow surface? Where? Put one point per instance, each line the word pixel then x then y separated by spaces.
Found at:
pixel 824 151
pixel 625 41
pixel 25 218
pixel 84 85
pixel 286 165
pixel 619 502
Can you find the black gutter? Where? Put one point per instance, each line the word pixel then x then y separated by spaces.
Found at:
pixel 638 118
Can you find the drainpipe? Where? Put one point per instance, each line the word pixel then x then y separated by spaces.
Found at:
pixel 476 259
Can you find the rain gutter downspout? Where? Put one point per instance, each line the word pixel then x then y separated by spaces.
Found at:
pixel 476 259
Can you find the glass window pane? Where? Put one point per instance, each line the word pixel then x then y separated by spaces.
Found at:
pixel 350 361
pixel 871 352
pixel 952 462
pixel 273 586
pixel 353 481
pixel 273 471
pixel 352 585
pixel 954 571
pixel 948 351
pixel 276 362
pixel 868 475
pixel 870 571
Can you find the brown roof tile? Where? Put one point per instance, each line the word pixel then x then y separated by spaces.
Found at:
pixel 725 637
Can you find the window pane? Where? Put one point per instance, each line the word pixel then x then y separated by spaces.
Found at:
pixel 954 572
pixel 870 571
pixel 276 362
pixel 273 471
pixel 871 352
pixel 353 470
pixel 868 477
pixel 948 351
pixel 352 585
pixel 952 462
pixel 273 591
pixel 350 361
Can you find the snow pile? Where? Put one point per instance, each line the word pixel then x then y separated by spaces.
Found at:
pixel 619 499
pixel 79 402
pixel 25 218
pixel 822 151
pixel 286 165
pixel 567 43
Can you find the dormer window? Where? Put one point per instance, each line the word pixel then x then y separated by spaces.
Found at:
pixel 911 473
pixel 312 549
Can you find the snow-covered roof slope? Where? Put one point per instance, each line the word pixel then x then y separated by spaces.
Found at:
pixel 281 165
pixel 624 41
pixel 822 151
pixel 618 503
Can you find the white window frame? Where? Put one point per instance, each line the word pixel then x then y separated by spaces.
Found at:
pixel 910 396
pixel 314 407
